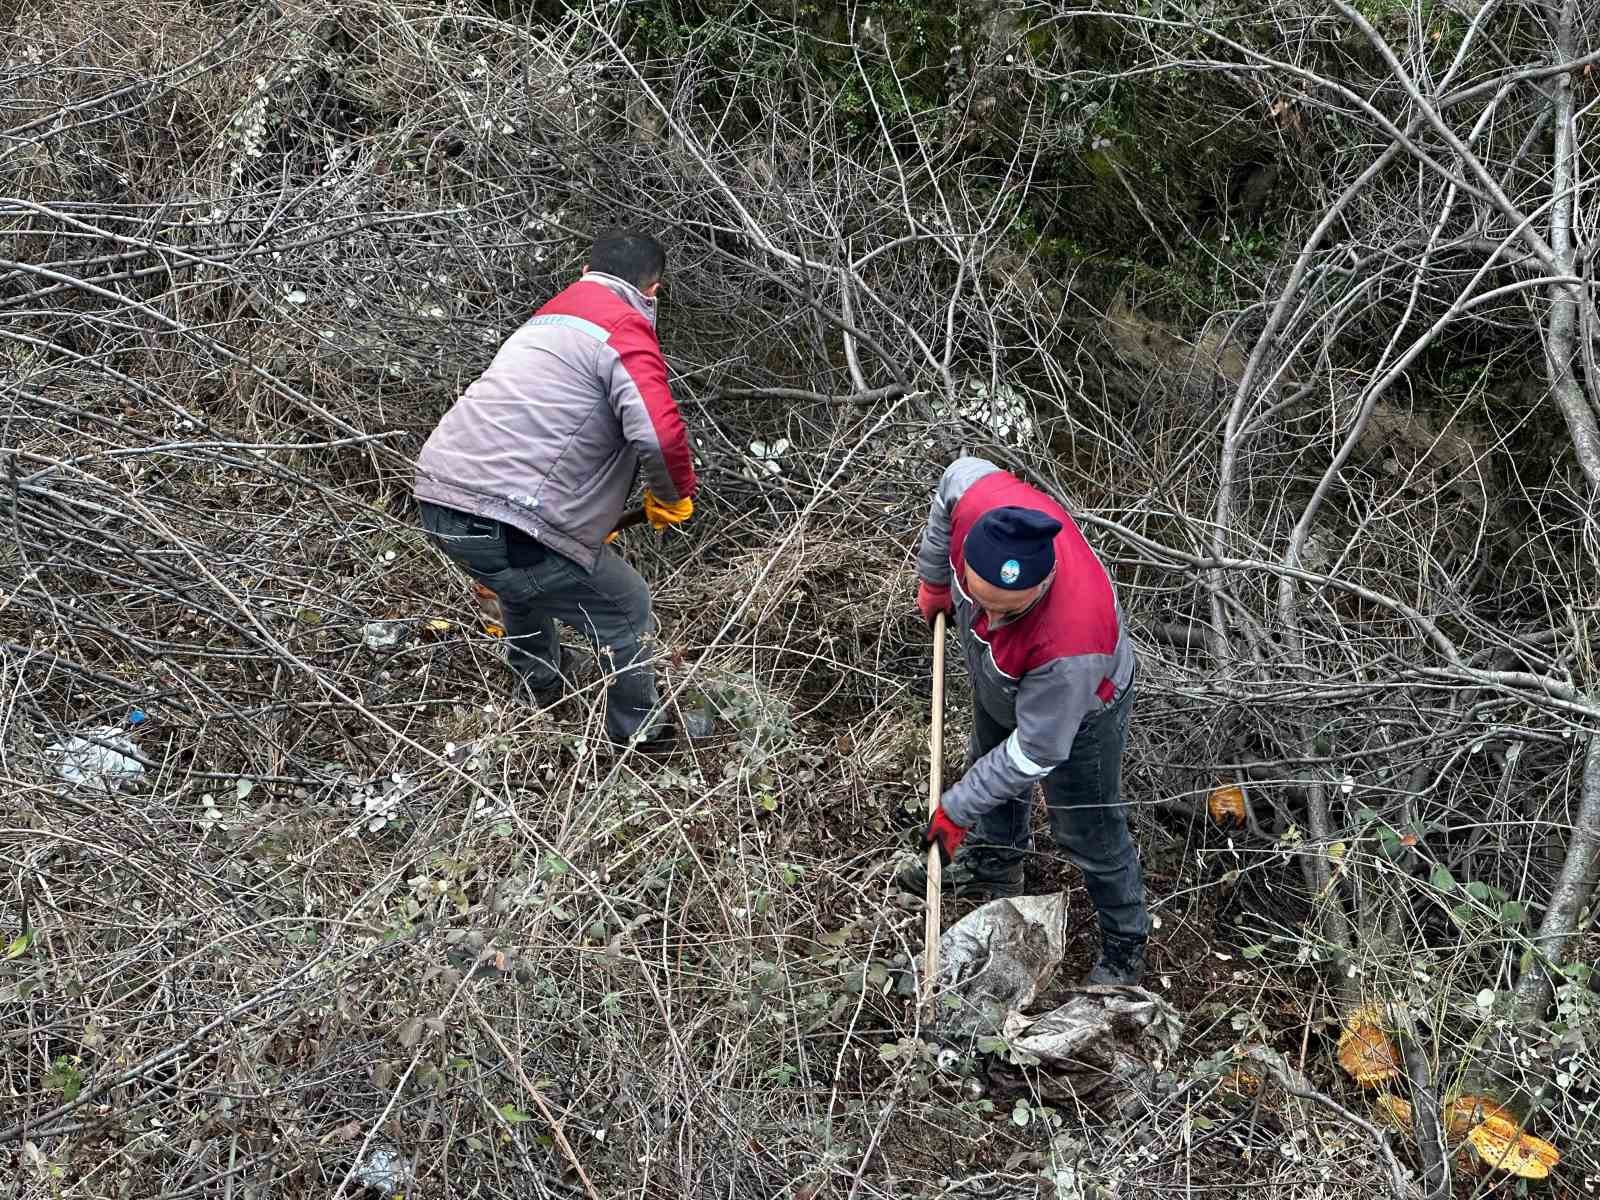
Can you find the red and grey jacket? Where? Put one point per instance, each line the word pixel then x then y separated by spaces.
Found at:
pixel 1042 674
pixel 550 437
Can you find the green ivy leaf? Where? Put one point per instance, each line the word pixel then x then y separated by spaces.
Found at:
pixel 1513 912
pixel 19 945
pixel 511 1114
pixel 1443 879
pixel 64 1078
pixel 1478 891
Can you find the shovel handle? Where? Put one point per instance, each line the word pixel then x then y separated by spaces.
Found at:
pixel 629 519
pixel 930 932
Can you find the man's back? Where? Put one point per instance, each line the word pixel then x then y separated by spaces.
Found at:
pixel 549 438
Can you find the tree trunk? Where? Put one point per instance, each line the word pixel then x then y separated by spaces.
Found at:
pixel 1572 892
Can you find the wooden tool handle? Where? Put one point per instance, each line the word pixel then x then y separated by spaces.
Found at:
pixel 930 932
pixel 629 519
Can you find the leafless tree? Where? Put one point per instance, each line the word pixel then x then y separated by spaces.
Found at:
pixel 358 904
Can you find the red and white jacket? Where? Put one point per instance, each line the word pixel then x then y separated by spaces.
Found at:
pixel 551 436
pixel 1041 675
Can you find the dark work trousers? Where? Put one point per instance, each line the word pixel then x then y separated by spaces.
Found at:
pixel 537 587
pixel 1088 821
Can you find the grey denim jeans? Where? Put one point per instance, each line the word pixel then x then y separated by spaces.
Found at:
pixel 610 606
pixel 1088 820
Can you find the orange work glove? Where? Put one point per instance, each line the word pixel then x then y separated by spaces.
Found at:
pixel 661 513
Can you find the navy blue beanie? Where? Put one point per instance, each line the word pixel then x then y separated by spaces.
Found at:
pixel 1012 547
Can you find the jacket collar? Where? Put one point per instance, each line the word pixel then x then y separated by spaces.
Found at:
pixel 636 299
pixel 1018 617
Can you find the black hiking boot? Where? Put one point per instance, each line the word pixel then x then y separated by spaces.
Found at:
pixel 975 875
pixel 1121 964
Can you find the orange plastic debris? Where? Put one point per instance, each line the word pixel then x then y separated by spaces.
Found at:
pixel 1502 1145
pixel 1395 1111
pixel 489 605
pixel 1464 1112
pixel 1226 804
pixel 1491 1132
pixel 1366 1052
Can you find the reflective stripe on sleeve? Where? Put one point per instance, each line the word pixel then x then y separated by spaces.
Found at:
pixel 1020 760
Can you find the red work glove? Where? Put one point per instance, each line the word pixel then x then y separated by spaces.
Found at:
pixel 944 833
pixel 932 600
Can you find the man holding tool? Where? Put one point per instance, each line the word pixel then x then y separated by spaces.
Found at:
pixel 1053 686
pixel 525 479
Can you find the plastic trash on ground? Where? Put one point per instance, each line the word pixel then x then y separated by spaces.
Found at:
pixel 384 1169
pixel 382 635
pixel 99 757
pixel 996 960
pixel 1103 1043
pixel 1110 1044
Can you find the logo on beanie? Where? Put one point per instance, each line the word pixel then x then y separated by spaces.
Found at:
pixel 1010 571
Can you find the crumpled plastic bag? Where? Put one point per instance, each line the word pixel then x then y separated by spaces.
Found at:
pixel 997 960
pixel 1115 1040
pixel 1110 1044
pixel 99 757
pixel 385 1170
pixel 383 635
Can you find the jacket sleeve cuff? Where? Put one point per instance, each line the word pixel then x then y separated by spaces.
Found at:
pixel 962 805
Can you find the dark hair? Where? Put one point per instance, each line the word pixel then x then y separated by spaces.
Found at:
pixel 628 254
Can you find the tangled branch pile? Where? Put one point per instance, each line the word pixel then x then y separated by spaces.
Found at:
pixel 1294 308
